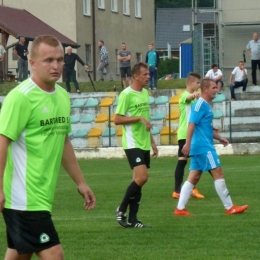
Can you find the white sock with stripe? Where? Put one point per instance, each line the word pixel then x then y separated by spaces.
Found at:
pixel 223 193
pixel 185 195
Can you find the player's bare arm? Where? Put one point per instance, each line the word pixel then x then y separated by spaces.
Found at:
pixel 4 143
pixel 70 164
pixel 126 120
pixel 193 96
pixel 154 147
pixel 186 147
pixel 221 139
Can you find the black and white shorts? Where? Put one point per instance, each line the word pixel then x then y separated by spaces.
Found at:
pixel 29 231
pixel 138 157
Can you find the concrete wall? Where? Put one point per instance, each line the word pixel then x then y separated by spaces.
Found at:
pixel 115 28
pixel 239 10
pixel 237 22
pixel 67 17
pixel 112 152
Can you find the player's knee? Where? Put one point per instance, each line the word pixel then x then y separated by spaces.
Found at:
pixel 141 179
pixel 55 252
pixel 217 173
pixel 196 179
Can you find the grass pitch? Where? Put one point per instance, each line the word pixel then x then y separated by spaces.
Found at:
pixel 209 235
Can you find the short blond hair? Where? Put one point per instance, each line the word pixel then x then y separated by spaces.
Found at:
pixel 47 39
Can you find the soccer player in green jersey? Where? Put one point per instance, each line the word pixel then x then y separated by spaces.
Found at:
pixel 34 142
pixel 133 113
pixel 185 102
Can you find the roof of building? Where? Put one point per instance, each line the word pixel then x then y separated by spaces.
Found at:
pixel 19 22
pixel 170 22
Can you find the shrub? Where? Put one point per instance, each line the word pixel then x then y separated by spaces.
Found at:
pixel 168 66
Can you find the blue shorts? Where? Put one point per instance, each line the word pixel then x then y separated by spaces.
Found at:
pixel 205 162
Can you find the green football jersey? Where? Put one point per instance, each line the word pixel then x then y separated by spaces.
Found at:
pixel 185 109
pixel 133 103
pixel 37 122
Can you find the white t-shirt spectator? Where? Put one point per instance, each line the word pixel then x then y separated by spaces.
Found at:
pixel 213 75
pixel 239 75
pixel 2 51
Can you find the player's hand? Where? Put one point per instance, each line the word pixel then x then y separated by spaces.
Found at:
pixel 186 150
pixel 2 200
pixel 196 95
pixel 86 67
pixel 147 124
pixel 224 141
pixel 155 151
pixel 88 195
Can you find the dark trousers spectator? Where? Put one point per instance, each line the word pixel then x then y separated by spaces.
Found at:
pixel 70 75
pixel 237 84
pixel 153 77
pixel 254 65
pixel 22 69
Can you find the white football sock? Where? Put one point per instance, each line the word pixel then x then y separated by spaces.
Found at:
pixel 185 195
pixel 223 193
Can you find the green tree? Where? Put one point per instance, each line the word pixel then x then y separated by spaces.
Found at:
pixel 168 66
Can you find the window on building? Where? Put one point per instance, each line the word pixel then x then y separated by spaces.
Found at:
pixel 101 4
pixel 138 57
pixel 117 63
pixel 138 8
pixel 88 54
pixel 114 5
pixel 86 7
pixel 126 7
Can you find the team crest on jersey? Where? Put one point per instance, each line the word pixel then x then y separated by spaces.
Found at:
pixel 45 110
pixel 44 238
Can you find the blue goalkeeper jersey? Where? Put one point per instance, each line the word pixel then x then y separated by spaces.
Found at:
pixel 202 138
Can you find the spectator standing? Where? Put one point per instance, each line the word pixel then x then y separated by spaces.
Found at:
pixel 124 57
pixel 241 80
pixel 21 52
pixel 104 61
pixel 216 75
pixel 253 48
pixel 69 59
pixel 152 59
pixel 2 53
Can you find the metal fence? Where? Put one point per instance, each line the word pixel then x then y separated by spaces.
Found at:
pixel 92 118
pixel 238 120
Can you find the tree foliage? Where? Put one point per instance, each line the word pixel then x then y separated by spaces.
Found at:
pixel 181 3
pixel 168 66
